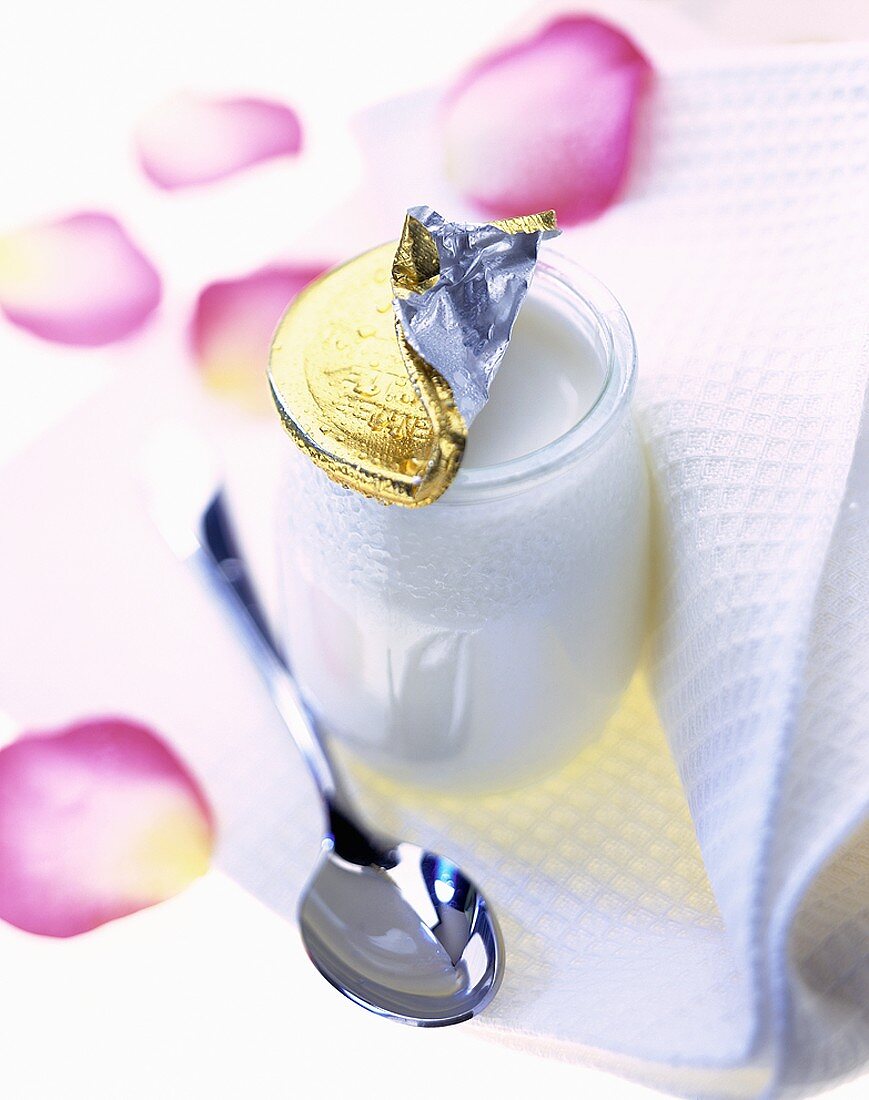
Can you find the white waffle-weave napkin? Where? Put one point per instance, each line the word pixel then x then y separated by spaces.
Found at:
pixel 741 253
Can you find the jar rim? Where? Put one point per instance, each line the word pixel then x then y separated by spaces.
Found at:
pixel 561 277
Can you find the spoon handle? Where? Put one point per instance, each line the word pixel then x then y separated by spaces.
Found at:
pixel 221 560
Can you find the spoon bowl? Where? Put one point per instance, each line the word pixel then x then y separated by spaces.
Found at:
pixel 407 936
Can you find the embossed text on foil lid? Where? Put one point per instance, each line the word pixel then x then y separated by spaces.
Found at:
pixel 344 395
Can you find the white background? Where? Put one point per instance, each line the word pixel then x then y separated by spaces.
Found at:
pixel 210 995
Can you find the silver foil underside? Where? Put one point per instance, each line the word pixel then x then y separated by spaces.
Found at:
pixel 462 324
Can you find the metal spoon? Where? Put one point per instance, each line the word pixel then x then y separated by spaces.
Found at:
pixel 399 930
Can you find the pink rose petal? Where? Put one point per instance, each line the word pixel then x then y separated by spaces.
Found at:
pixel 97 821
pixel 78 280
pixel 233 325
pixel 548 122
pixel 188 140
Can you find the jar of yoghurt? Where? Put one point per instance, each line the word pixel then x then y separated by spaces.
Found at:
pixel 480 642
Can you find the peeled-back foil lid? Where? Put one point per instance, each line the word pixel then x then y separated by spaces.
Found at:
pixel 379 367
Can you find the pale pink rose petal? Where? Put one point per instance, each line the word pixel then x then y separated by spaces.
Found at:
pixel 97 821
pixel 233 324
pixel 188 140
pixel 547 122
pixel 77 280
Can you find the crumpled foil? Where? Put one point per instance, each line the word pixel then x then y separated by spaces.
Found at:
pixel 457 291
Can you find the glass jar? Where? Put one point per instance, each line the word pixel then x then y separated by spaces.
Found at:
pixel 481 641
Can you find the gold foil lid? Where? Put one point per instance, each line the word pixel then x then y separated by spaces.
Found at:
pixel 343 391
pixel 352 390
